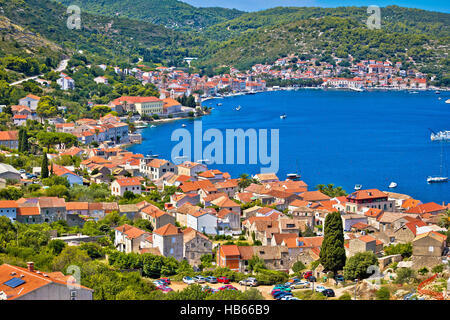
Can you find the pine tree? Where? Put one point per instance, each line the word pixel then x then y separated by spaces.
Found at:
pixel 21 139
pixel 332 253
pixel 44 167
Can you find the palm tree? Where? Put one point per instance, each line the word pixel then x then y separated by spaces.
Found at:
pixel 244 181
pixel 445 220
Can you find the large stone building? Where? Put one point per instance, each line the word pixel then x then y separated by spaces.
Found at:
pixel 169 240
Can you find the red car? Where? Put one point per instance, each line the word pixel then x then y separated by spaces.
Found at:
pixel 223 280
pixel 165 280
pixel 227 287
pixel 164 288
pixel 307 274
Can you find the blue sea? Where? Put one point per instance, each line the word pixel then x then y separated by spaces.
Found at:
pixel 342 137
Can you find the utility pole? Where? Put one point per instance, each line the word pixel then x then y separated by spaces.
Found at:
pixel 356 283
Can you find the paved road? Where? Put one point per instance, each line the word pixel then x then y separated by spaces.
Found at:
pixel 61 66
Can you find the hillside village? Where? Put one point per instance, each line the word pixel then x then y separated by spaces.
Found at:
pixel 191 211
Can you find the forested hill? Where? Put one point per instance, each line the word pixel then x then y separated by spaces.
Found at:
pixel 394 19
pixel 173 14
pixel 114 38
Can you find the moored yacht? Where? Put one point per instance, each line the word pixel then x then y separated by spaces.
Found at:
pixel 358 187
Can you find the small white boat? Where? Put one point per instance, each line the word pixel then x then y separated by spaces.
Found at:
pixel 440 136
pixel 437 92
pixel 447 101
pixel 437 179
pixel 283 116
pixel 152 126
pixel 414 92
pixel 183 125
pixel 219 104
pixel 238 108
pixel 393 185
pixel 358 187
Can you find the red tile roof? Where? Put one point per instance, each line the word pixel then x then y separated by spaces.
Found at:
pixel 168 230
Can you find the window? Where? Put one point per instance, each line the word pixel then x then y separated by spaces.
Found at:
pixel 171 250
pixel 73 295
pixel 173 239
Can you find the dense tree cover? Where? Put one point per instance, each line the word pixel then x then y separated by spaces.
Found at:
pixel 357 266
pixel 332 253
pixel 405 249
pixel 331 191
pixel 170 13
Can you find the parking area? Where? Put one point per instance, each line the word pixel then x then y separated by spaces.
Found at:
pixel 265 290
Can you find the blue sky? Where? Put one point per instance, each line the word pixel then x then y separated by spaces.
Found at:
pixel 254 5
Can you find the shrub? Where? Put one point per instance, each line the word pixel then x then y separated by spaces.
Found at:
pixel 438 268
pixel 345 296
pixel 404 275
pixel 383 294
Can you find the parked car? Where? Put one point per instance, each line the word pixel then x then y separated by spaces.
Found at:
pixel 211 279
pixel 288 297
pixel 199 279
pixel 159 283
pixel 251 282
pixel 307 274
pixel 320 288
pixel 164 288
pixel 300 285
pixel 281 294
pixel 165 280
pixel 223 280
pixel 188 280
pixel 339 278
pixel 328 292
pixel 227 287
pixel 22 171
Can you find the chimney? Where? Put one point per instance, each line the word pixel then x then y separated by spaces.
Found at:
pixel 30 266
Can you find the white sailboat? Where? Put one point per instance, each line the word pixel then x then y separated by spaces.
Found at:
pixel 441 178
pixel 393 185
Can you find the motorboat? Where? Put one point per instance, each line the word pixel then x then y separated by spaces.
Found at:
pixel 437 179
pixel 183 125
pixel 440 136
pixel 238 108
pixel 283 116
pixel 393 185
pixel 358 187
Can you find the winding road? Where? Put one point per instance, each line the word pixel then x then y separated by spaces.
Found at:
pixel 61 66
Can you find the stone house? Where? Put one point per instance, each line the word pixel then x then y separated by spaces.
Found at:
pixel 195 245
pixel 169 240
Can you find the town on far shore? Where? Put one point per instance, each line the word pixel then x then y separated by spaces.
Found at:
pixel 71 192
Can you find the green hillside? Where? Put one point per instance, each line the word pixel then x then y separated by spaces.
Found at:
pixel 170 13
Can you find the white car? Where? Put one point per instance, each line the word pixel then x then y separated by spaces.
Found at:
pixel 320 288
pixel 188 280
pixel 199 279
pixel 300 285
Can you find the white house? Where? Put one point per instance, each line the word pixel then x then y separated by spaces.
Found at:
pixel 202 221
pixel 119 186
pixel 64 172
pixel 66 83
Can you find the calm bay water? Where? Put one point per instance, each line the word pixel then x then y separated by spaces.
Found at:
pixel 339 137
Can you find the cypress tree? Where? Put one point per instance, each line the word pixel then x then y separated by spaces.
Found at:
pixel 44 166
pixel 332 253
pixel 20 142
pixel 25 144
